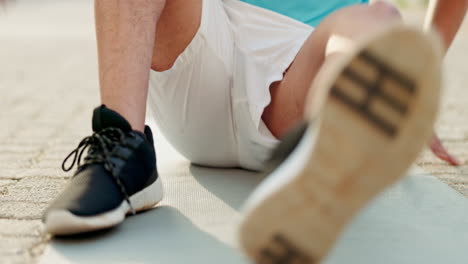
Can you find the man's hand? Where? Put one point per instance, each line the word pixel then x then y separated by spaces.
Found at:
pixel 441 152
pixel 446 17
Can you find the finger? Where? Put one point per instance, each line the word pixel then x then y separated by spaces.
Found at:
pixel 441 152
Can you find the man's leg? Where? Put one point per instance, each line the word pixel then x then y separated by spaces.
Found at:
pixel 120 164
pixel 288 97
pixel 134 36
pixel 125 35
pixel 377 105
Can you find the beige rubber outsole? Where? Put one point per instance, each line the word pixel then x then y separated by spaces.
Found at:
pixel 374 120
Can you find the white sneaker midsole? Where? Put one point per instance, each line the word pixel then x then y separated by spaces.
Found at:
pixel 63 222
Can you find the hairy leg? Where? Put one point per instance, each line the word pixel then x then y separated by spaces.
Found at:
pixel 289 96
pixel 134 36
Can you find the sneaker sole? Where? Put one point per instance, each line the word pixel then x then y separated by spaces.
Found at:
pixel 376 118
pixel 63 222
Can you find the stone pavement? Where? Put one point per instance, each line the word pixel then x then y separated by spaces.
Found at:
pixel 48 87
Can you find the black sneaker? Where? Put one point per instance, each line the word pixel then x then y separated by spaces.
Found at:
pixel 118 176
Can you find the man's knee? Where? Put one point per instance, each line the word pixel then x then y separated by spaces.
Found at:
pixel 385 10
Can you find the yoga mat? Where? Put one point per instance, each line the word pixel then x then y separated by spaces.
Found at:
pixel 418 220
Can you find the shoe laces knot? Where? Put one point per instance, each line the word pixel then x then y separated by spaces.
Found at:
pixel 102 147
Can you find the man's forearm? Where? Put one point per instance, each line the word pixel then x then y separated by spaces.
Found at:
pixel 446 18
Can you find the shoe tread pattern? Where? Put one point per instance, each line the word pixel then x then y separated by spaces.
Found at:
pixel 374 90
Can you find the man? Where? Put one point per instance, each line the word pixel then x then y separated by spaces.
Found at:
pixel 227 79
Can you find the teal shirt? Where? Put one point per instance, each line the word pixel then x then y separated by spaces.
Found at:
pixel 310 12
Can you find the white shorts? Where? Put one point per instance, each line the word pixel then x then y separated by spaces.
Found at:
pixel 210 103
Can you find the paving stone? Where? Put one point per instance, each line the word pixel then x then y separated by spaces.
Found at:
pixel 11 173
pixel 26 228
pixel 6 182
pixel 11 245
pixel 38 189
pixel 21 210
pixel 51 172
pixel 18 258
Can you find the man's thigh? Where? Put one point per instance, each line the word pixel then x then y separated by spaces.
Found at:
pixel 288 97
pixel 176 28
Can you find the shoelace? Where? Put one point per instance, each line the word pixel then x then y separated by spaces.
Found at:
pixel 101 144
